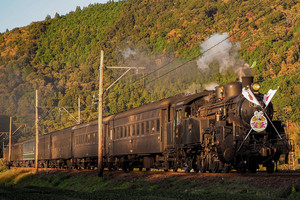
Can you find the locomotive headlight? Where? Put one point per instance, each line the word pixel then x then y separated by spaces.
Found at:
pixel 256 87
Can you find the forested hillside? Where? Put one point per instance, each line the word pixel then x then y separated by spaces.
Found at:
pixel 60 56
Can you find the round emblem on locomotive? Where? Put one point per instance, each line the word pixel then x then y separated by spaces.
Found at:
pixel 258 122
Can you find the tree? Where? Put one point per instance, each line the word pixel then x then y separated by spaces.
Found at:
pixel 48 17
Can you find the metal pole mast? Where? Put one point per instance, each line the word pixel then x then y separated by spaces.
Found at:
pixel 100 114
pixel 9 140
pixel 36 132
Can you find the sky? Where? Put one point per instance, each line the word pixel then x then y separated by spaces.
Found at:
pixel 19 13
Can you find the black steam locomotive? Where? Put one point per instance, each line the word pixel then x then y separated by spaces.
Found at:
pixel 206 131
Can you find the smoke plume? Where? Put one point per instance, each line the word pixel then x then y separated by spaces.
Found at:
pixel 128 52
pixel 217 48
pixel 210 86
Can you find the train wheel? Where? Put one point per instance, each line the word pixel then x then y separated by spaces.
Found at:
pixel 130 169
pixel 226 168
pixel 252 168
pixel 215 167
pixel 187 170
pixel 124 167
pixel 195 166
pixel 175 166
pixel 252 165
pixel 242 169
pixel 270 168
pixel 203 165
pixel 130 166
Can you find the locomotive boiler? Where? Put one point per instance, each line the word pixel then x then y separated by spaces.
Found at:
pixel 207 131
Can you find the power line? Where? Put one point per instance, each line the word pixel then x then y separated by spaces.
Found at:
pixel 192 59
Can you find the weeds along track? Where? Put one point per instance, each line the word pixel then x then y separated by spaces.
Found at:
pixel 287 174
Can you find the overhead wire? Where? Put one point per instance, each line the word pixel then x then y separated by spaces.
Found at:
pixel 195 57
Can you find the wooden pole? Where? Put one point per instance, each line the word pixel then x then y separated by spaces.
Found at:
pixel 36 132
pixel 100 110
pixel 3 150
pixel 9 139
pixel 79 118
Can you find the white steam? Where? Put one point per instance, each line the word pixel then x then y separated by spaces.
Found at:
pixel 210 86
pixel 194 88
pixel 217 48
pixel 128 52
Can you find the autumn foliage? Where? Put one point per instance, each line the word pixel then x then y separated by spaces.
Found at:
pixel 60 56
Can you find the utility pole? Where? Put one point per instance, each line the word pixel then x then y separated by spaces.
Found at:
pixel 100 114
pixel 100 108
pixel 79 119
pixel 3 150
pixel 9 140
pixel 36 132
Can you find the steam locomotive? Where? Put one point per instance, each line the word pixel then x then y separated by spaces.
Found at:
pixel 206 131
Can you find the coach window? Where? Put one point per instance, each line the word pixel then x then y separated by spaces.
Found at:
pixel 80 139
pixel 94 138
pixel 147 127
pixel 178 116
pixel 118 132
pixel 157 125
pixel 129 133
pixel 125 131
pixel 110 133
pixel 132 130
pixel 152 128
pixel 187 112
pixel 143 128
pixel 137 129
pixel 89 139
pixel 84 139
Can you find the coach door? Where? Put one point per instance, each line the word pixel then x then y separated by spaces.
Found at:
pixel 105 138
pixel 109 138
pixel 171 127
pixel 178 133
pixel 163 128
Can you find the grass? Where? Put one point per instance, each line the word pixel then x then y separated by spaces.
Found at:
pixel 20 184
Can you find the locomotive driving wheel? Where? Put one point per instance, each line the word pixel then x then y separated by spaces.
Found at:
pixel 215 167
pixel 226 168
pixel 175 167
pixel 214 164
pixel 187 165
pixel 195 167
pixel 203 163
pixel 252 168
pixel 270 168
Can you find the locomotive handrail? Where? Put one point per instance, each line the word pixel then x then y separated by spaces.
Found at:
pixel 216 105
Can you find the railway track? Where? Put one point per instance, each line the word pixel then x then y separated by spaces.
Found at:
pixel 287 174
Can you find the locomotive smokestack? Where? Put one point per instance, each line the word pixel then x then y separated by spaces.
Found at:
pixel 247 81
